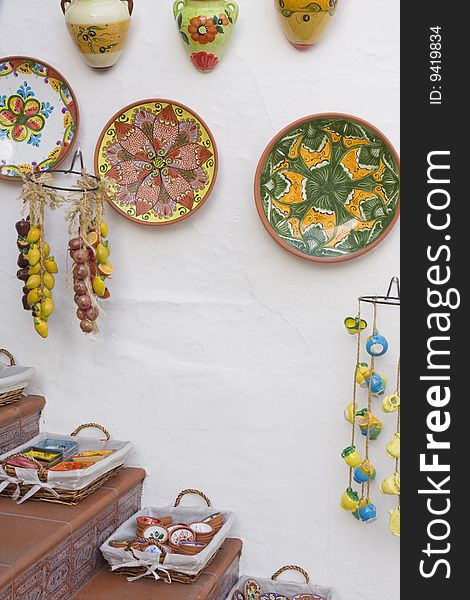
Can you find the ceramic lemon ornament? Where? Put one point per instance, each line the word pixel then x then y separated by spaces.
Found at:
pixel 304 22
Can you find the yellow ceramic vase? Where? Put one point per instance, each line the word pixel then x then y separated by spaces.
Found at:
pixel 304 21
pixel 98 28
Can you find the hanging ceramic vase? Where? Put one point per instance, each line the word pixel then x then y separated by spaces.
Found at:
pixel 205 27
pixel 98 28
pixel 304 22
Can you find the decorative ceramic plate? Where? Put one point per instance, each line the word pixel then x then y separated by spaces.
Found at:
pixel 327 187
pixel 162 157
pixel 38 117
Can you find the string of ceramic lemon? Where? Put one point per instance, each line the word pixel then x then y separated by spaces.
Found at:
pixel 36 195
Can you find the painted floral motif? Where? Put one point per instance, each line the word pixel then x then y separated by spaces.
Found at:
pixel 23 117
pixel 329 188
pixel 204 29
pixel 27 120
pixel 162 160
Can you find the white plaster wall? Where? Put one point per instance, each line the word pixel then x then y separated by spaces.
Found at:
pixel 223 357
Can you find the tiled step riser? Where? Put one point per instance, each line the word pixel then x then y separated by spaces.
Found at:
pixel 68 567
pixel 19 422
pixel 226 583
pixel 19 432
pixel 214 583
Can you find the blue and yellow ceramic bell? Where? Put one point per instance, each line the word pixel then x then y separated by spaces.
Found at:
pixel 366 378
pixel 377 384
pixel 350 500
pixel 377 345
pixel 367 512
pixel 369 424
pixel 391 404
pixel 365 472
pixel 395 521
pixel 351 456
pixel 393 446
pixel 354 325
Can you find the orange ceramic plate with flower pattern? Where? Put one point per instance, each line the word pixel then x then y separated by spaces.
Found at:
pixel 163 159
pixel 38 117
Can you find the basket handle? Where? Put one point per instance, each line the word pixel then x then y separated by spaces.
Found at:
pixel 9 355
pixel 41 470
pixel 184 493
pixel 93 426
pixel 291 568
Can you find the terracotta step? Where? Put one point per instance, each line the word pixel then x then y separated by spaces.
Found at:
pixel 19 422
pixel 49 551
pixel 214 584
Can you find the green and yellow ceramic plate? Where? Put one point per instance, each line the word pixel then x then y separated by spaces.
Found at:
pixel 327 187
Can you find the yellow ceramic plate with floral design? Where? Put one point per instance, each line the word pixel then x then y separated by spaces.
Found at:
pixel 327 187
pixel 38 117
pixel 163 158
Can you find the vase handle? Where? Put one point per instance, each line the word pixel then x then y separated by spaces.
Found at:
pixel 233 8
pixel 63 4
pixel 130 5
pixel 177 6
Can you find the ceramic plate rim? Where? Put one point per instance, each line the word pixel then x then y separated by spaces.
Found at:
pixel 209 133
pixel 257 191
pixel 72 93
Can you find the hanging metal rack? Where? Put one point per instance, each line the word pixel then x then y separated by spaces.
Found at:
pixel 389 299
pixel 78 156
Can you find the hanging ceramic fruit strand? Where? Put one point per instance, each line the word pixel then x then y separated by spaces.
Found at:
pixel 90 251
pixel 37 267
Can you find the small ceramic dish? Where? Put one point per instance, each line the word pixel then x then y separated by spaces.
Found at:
pixel 71 466
pixel 155 533
pixel 146 521
pixel 182 534
pixel 47 457
pixel 22 462
pixel 202 528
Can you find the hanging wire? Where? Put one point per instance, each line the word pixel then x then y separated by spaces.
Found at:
pixel 358 356
pixel 369 398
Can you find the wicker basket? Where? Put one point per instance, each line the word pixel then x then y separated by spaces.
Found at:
pixel 14 395
pixel 273 588
pixel 59 496
pixel 165 572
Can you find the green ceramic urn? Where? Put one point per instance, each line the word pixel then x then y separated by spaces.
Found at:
pixel 205 27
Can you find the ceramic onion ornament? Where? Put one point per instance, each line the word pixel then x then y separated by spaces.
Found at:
pixel 304 21
pixel 205 27
pixel 99 28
